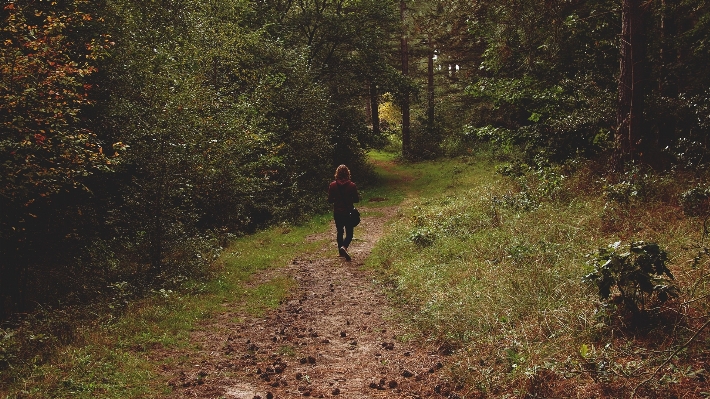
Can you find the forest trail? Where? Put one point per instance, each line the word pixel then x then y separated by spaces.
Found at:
pixel 332 337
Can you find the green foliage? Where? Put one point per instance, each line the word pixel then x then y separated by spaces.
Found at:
pixel 639 274
pixel 8 348
pixel 562 121
pixel 538 182
pixel 49 150
pixel 502 138
pixel 548 75
pixel 690 153
pixel 344 52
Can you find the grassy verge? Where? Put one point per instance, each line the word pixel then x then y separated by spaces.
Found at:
pixel 108 359
pixel 490 268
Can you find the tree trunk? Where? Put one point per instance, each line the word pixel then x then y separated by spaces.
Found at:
pixel 368 102
pixel 667 84
pixel 156 236
pixel 430 87
pixel 404 47
pixel 156 229
pixel 374 109
pixel 632 82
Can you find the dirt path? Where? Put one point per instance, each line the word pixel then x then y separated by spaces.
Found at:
pixel 330 338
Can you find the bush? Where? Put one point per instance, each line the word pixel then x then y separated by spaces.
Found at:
pixel 640 275
pixel 422 237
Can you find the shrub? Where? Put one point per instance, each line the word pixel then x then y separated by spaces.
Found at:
pixel 422 237
pixel 640 275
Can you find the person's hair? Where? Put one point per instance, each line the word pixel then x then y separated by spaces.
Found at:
pixel 342 172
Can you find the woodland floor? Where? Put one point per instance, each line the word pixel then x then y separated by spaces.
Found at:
pixel 332 337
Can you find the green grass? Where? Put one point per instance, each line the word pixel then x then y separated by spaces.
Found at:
pixel 390 185
pixel 398 180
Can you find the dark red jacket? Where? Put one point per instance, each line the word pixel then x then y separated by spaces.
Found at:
pixel 343 194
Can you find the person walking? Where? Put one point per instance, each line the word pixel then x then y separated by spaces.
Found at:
pixel 342 193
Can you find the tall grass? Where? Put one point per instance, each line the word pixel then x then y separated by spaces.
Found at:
pixel 490 268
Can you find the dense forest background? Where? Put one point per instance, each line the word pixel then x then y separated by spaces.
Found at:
pixel 138 136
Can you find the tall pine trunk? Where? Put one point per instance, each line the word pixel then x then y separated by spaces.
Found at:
pixel 375 109
pixel 668 85
pixel 404 48
pixel 430 86
pixel 632 84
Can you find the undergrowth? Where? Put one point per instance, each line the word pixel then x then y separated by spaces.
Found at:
pixel 104 356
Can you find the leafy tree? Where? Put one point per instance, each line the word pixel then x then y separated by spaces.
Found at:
pixel 48 151
pixel 46 147
pixel 441 37
pixel 549 76
pixel 344 50
pixel 227 129
pixel 220 128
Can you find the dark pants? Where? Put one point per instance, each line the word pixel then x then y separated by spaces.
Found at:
pixel 340 221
